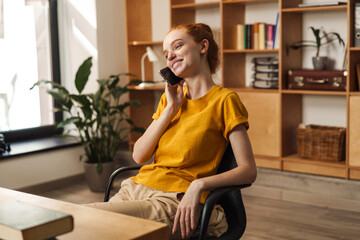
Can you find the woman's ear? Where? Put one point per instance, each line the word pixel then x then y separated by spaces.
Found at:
pixel 204 46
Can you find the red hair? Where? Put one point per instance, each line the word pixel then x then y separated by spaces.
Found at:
pixel 199 32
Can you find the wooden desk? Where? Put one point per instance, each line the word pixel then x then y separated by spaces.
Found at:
pixel 90 223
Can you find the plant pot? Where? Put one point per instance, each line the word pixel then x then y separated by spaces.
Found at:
pixel 319 63
pixel 97 181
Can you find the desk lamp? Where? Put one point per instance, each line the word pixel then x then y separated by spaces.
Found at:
pixel 152 58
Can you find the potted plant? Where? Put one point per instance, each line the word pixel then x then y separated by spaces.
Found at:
pixel 321 38
pixel 97 118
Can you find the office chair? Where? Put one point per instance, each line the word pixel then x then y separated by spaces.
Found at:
pixel 228 197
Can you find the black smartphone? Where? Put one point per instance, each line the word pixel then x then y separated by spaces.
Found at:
pixel 169 76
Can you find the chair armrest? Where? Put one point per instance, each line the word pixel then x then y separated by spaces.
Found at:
pixel 210 202
pixel 114 175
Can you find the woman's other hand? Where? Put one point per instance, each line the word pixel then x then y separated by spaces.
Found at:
pixel 188 212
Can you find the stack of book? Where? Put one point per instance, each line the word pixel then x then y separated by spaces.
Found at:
pixel 258 36
pixel 266 73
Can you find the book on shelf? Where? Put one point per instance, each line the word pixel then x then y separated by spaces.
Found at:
pixel 276 33
pixel 320 4
pixel 358 74
pixel 357 25
pixel 239 36
pixel 24 221
pixel 270 36
pixel 248 36
pixel 258 36
pixel 261 36
pixel 245 43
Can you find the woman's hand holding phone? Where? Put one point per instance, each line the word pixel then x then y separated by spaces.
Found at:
pixel 174 97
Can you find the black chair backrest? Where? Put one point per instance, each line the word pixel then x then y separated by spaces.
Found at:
pixel 232 202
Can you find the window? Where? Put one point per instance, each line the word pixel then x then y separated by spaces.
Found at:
pixel 29 52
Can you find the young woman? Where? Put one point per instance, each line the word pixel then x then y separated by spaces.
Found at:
pixel 189 134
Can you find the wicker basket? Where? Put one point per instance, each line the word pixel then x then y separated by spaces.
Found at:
pixel 321 142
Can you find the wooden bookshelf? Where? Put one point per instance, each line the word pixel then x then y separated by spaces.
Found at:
pixel 251 51
pixel 315 9
pixel 194 6
pixel 273 139
pixel 313 92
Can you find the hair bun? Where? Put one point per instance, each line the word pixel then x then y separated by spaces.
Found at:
pixel 204 27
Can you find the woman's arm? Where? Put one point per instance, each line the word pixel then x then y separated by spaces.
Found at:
pixel 244 173
pixel 145 146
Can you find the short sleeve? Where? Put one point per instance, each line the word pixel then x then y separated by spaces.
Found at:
pixel 160 108
pixel 234 113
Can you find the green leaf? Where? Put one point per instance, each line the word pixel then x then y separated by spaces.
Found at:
pixel 67 122
pixel 138 129
pixel 61 96
pixel 82 99
pixel 54 84
pixel 114 82
pixel 82 74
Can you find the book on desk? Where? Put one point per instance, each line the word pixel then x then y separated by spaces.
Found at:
pixel 24 221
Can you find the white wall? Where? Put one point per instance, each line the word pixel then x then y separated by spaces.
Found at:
pixel 39 168
pixel 87 28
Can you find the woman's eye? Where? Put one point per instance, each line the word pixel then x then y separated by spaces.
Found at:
pixel 177 46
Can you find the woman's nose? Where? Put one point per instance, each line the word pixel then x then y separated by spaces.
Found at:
pixel 171 56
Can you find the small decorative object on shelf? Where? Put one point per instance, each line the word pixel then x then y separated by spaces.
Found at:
pixel 321 142
pixel 319 62
pixel 306 79
pixel 266 73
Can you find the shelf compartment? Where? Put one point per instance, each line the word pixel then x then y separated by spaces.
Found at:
pixel 294 163
pixel 313 92
pixel 248 2
pixel 268 162
pixel 296 158
pixel 194 6
pixel 250 89
pixel 315 9
pixel 264 135
pixel 251 51
pixel 354 174
pixel 144 43
pixel 355 49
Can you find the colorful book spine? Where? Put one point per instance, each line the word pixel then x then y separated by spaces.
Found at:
pixel 245 38
pixel 256 36
pixel 276 33
pixel 269 37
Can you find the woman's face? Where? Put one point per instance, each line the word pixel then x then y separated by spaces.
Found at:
pixel 182 53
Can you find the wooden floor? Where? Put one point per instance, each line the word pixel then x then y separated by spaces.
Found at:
pixel 267 219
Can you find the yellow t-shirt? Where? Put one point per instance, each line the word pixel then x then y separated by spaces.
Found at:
pixel 194 142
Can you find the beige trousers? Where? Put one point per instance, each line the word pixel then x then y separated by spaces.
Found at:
pixel 141 201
